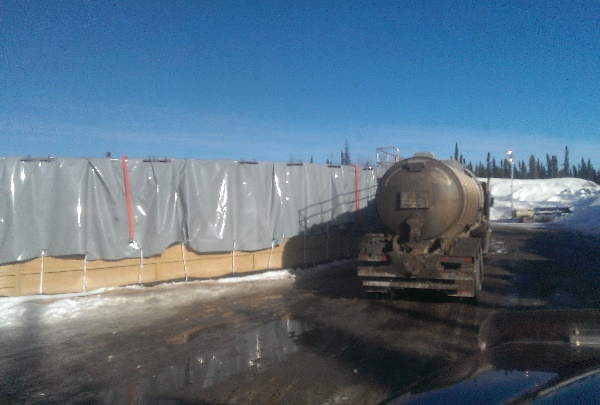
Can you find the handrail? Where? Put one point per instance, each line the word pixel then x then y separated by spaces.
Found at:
pixel 386 157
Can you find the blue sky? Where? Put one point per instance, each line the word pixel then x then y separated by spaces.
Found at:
pixel 275 80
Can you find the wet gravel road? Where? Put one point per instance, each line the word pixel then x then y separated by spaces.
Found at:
pixel 313 339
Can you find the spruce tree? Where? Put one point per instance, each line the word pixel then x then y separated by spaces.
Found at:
pixel 554 166
pixel 541 170
pixel 522 169
pixel 566 166
pixel 533 168
pixel 345 155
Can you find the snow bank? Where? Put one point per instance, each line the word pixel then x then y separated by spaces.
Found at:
pixel 103 305
pixel 585 218
pixel 582 196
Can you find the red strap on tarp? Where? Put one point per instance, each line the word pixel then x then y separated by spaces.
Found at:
pixel 128 198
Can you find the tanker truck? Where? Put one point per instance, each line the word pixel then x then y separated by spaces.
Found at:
pixel 435 229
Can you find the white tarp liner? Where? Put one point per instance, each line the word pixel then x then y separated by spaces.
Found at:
pixel 78 206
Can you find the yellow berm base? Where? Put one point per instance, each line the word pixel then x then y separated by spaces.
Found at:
pixel 73 274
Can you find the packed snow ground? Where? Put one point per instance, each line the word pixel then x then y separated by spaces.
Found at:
pixel 104 305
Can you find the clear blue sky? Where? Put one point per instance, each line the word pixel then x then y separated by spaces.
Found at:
pixel 274 80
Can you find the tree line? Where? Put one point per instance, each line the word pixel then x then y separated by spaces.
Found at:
pixel 534 168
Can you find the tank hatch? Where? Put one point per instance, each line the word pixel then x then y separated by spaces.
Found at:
pixel 416 165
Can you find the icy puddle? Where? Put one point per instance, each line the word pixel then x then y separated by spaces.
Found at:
pixel 269 344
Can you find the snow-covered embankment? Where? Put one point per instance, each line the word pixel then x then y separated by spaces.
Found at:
pixel 582 196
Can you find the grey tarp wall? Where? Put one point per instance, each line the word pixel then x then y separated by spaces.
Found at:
pixel 76 206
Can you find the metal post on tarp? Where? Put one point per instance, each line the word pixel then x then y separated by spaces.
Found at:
pixel 85 273
pixel 41 291
pixel 185 269
pixel 356 192
pixel 271 254
pixel 141 266
pixel 233 259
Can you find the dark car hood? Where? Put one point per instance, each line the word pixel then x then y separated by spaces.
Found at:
pixel 534 356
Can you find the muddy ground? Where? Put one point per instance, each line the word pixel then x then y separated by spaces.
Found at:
pixel 313 339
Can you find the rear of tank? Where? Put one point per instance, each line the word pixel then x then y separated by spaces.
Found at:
pixel 429 208
pixel 424 199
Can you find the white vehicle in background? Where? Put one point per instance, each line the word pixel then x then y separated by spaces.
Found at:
pixel 542 214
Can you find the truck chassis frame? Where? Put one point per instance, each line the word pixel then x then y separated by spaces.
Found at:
pixel 458 273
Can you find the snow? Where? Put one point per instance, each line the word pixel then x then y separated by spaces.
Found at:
pixel 582 196
pixel 111 306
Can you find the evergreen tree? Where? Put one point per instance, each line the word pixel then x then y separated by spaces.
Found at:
pixel 533 168
pixel 347 152
pixel 345 155
pixel 480 170
pixel 554 167
pixel 566 166
pixel 494 171
pixel 591 173
pixel 522 169
pixel 506 165
pixel 541 169
pixel 582 169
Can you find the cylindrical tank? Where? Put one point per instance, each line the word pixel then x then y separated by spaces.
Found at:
pixel 428 198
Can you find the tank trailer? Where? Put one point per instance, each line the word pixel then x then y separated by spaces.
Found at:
pixel 436 219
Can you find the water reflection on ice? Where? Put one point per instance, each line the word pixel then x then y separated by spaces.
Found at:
pixel 269 344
